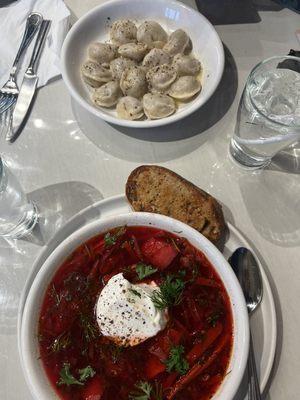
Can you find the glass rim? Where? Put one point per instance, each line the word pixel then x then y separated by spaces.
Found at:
pixel 251 76
pixel 1 169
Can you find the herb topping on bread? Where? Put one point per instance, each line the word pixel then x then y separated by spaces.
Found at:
pixel 156 189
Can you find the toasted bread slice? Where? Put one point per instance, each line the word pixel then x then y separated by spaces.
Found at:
pixel 156 189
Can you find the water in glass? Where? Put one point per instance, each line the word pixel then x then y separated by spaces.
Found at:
pixel 18 215
pixel 269 115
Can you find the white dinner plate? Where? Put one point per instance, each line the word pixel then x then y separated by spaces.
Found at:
pixel 263 322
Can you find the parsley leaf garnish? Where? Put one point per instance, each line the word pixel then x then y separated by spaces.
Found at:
pixel 145 391
pixel 144 270
pixel 176 360
pixel 142 392
pixel 169 293
pixel 66 378
pixel 86 373
pixel 110 239
pixel 135 292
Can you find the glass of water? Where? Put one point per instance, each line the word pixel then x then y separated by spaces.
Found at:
pixel 269 112
pixel 18 215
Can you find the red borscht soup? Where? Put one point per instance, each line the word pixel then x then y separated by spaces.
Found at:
pixel 136 313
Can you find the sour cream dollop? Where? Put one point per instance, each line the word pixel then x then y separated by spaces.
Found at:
pixel 126 313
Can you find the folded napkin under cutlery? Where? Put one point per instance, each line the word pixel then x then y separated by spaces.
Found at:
pixel 13 18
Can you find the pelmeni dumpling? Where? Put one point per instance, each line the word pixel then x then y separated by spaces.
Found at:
pixel 151 33
pixel 156 57
pixel 95 74
pixel 161 77
pixel 107 95
pixel 186 65
pixel 130 108
pixel 158 105
pixel 184 88
pixel 118 65
pixel 133 82
pixel 134 51
pixel 157 45
pixel 179 42
pixel 102 52
pixel 123 31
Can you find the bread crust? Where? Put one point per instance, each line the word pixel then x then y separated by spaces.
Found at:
pixel 152 188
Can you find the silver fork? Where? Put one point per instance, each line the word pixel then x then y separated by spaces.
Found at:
pixel 10 90
pixel 6 122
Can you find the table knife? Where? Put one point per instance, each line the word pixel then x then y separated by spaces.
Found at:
pixel 29 84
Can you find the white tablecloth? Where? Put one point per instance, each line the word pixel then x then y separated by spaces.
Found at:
pixel 65 170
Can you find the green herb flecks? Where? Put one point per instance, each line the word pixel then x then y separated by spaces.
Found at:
pixel 57 297
pixel 157 391
pixel 176 360
pixel 195 272
pixel 169 293
pixel 175 245
pixel 110 239
pixel 142 392
pixel 115 352
pixel 66 377
pixel 84 351
pixel 146 391
pixel 111 350
pixel 143 270
pixel 135 292
pixel 90 331
pixel 214 318
pixel 86 373
pixel 181 273
pixel 60 343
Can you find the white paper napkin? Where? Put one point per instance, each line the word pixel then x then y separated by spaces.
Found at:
pixel 13 20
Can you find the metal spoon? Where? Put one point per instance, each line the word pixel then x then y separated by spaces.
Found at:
pixel 247 271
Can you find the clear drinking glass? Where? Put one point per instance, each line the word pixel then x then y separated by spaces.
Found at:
pixel 18 215
pixel 268 117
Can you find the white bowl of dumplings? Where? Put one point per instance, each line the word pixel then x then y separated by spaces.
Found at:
pixel 142 63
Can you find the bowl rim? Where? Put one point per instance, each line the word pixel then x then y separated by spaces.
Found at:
pixel 239 310
pixel 146 123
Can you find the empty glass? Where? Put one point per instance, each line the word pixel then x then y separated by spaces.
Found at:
pixel 268 117
pixel 18 215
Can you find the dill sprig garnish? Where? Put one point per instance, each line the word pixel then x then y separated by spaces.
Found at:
pixel 90 331
pixel 169 293
pixel 60 343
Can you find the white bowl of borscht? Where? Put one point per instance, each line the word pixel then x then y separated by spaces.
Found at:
pixel 135 306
